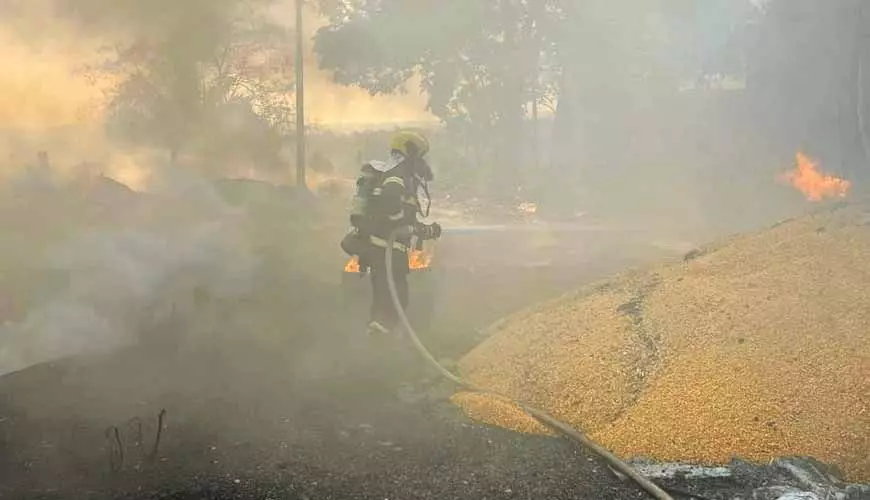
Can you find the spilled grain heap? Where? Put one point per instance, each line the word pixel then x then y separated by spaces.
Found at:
pixel 757 348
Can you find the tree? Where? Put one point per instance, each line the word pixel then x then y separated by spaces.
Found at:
pixel 207 77
pixel 608 69
pixel 487 65
pixel 808 61
pixel 479 61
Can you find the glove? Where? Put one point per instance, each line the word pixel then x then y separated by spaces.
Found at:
pixel 435 230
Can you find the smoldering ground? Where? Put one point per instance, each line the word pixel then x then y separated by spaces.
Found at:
pixel 216 302
pixel 232 319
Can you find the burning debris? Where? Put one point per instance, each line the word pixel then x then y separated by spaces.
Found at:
pixel 417 260
pixel 528 208
pixel 352 265
pixel 813 183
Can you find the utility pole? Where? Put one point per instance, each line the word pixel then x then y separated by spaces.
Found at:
pixel 300 102
pixel 536 144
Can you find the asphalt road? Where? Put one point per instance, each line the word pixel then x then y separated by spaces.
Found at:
pixel 328 413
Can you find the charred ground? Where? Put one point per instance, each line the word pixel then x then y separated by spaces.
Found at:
pixel 373 431
pixel 274 391
pixel 277 393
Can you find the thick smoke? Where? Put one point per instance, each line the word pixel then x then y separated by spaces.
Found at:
pixel 120 284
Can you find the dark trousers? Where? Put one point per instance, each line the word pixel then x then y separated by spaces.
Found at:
pixel 382 309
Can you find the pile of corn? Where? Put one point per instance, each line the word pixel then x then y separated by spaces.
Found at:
pixel 757 348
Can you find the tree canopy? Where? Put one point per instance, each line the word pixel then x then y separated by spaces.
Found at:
pixel 600 63
pixel 210 77
pixel 807 74
pixel 480 62
pixel 486 65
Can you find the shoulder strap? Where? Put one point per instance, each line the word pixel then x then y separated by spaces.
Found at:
pixel 425 186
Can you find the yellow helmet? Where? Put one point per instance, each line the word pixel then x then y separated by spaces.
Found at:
pixel 410 144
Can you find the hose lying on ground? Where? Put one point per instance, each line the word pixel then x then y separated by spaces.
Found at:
pixel 539 415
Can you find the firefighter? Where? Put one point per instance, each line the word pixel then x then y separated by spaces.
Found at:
pixel 388 198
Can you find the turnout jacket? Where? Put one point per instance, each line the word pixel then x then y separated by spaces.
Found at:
pixel 393 203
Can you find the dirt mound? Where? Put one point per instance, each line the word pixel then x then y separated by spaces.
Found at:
pixel 756 348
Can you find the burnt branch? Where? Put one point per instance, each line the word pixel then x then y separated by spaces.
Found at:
pixel 155 449
pixel 116 449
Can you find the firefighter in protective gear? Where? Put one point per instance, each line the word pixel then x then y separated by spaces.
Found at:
pixel 388 198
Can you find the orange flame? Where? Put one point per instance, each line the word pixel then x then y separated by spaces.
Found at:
pixel 814 184
pixel 417 259
pixel 352 265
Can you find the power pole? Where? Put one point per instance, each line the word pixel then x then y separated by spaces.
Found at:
pixel 300 102
pixel 536 143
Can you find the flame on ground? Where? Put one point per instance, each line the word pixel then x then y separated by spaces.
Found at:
pixel 528 207
pixel 352 265
pixel 417 259
pixel 814 184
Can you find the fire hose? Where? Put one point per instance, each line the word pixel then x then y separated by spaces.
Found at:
pixel 541 416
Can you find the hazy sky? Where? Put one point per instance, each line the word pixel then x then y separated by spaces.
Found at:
pixel 41 85
pixel 48 103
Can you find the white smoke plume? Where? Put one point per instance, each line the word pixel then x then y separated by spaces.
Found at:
pixel 121 283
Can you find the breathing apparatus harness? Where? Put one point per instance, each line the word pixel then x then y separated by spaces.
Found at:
pixel 369 180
